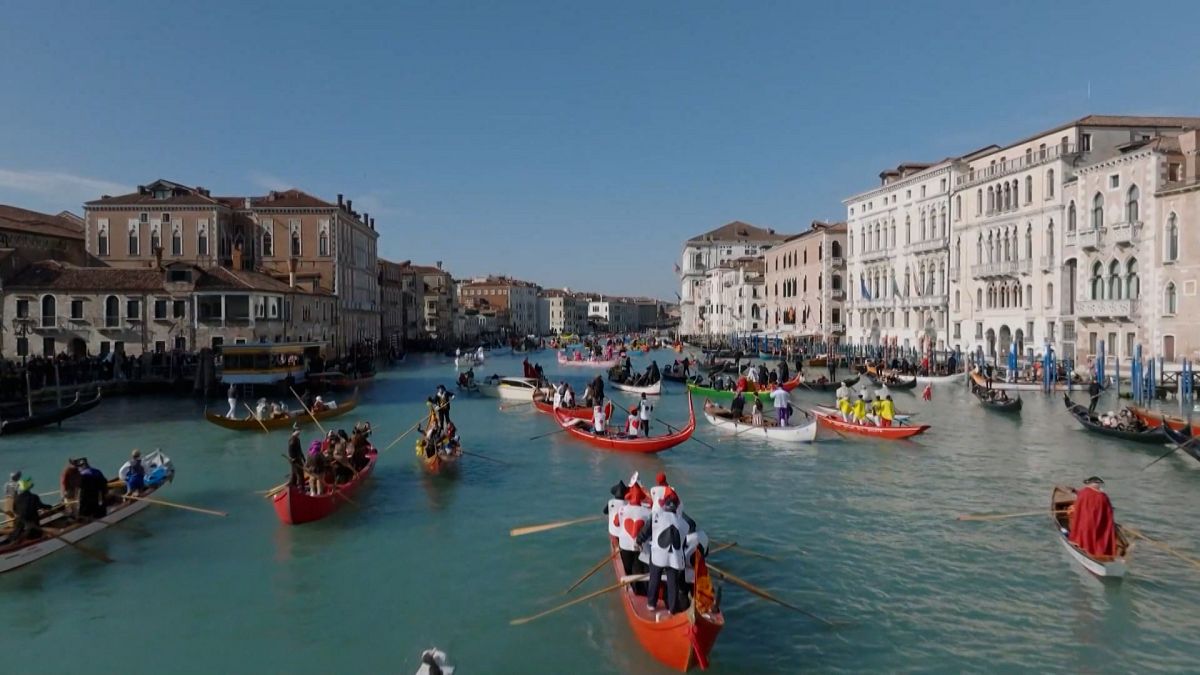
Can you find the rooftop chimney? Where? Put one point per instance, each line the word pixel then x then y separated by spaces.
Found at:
pixel 292 271
pixel 350 205
pixel 366 219
pixel 372 223
pixel 1189 144
pixel 340 200
pixel 237 257
pixel 439 264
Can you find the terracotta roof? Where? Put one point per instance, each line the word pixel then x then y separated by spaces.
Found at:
pixel 1115 121
pixel 24 220
pixel 51 275
pixel 181 195
pixel 221 278
pixel 739 231
pixel 289 199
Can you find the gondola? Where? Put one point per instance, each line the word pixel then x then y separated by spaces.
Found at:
pixel 894 432
pixel 1184 439
pixel 579 412
pixel 618 442
pixel 1061 500
pixel 723 418
pixel 1009 405
pixel 677 641
pixel 649 390
pixel 295 506
pixel 299 417
pixel 441 463
pixel 1154 418
pixel 727 394
pixel 52 416
pixel 61 531
pixel 900 383
pixel 1085 419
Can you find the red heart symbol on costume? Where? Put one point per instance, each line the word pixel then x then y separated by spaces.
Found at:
pixel 616 519
pixel 633 527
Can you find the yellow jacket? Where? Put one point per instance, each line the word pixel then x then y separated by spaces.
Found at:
pixel 860 409
pixel 843 404
pixel 887 409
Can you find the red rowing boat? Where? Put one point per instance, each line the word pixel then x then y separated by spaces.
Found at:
pixel 621 443
pixel 834 422
pixel 295 506
pixel 1155 419
pixel 670 640
pixel 579 412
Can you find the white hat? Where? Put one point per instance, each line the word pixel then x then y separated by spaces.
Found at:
pixel 633 479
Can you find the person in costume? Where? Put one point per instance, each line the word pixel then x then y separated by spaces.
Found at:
pixel 1092 527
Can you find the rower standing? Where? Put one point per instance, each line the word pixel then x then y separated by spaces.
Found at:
pixel 757 418
pixel 634 515
pixel 11 489
pixel 93 491
pixel 1094 393
pixel 27 508
pixel 68 483
pixel 859 412
pixel 441 400
pixel 644 410
pixel 134 474
pixel 231 396
pixel 295 456
pixel 782 404
pixel 665 535
pixel 598 420
pixel 1092 527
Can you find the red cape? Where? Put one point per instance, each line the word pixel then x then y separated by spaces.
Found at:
pixel 1093 529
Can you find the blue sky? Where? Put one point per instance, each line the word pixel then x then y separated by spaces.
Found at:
pixel 568 143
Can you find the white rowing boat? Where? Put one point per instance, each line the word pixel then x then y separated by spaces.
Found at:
pixel 1061 499
pixel 158 469
pixel 940 379
pixel 723 419
pixel 651 390
pixel 510 388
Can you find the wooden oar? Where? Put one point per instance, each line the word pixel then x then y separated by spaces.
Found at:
pixel 1002 516
pixel 414 426
pixel 86 550
pixel 693 436
pixel 310 413
pixel 533 529
pixel 1161 545
pixel 255 418
pixel 633 578
pixel 177 506
pixel 556 431
pixel 476 454
pixel 764 594
pixel 589 573
pixel 1177 446
pixel 278 488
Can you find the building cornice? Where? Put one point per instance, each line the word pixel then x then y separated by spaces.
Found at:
pixel 944 167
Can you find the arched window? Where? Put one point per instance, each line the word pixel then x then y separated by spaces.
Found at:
pixel 942 221
pixel 978 298
pixel 1131 204
pixel 907 230
pixel 268 242
pixel 979 249
pixel 805 256
pixel 957 208
pixel 134 239
pixel 1049 183
pixel 296 244
pixel 991 200
pixel 1029 241
pixel 1050 239
pixel 893 233
pixel 112 311
pixel 804 284
pixel 1071 217
pixel 979 201
pixel 1097 281
pixel 102 239
pixel 1172 252
pixel 1115 288
pixel 49 310
pixel 835 249
pixel 958 253
pixel 1170 300
pixel 1028 295
pixel 1098 211
pixel 836 281
pixel 202 240
pixel 155 238
pixel 1049 295
pixel 922 230
pixel 990 248
pixel 698 262
pixel 1133 287
pixel 1028 189
pixel 177 240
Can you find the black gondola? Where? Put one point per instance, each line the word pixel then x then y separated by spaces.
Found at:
pixel 1182 438
pixel 1010 405
pixel 1087 421
pixel 46 417
pixel 827 386
pixel 900 383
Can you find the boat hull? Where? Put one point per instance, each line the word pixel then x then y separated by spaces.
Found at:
pixel 800 434
pixel 652 390
pixel 617 443
pixel 440 464
pixel 1154 418
pixel 1152 435
pixel 669 641
pixel 940 379
pixel 57 416
pixel 578 412
pixel 506 391
pixel 294 507
pixel 587 363
pixel 301 418
pixel 889 433
pixel 1060 499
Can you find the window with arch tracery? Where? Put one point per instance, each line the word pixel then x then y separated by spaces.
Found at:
pixel 1133 286
pixel 1097 281
pixel 1170 299
pixel 1071 217
pixel 1097 211
pixel 1172 243
pixel 1131 204
pixel 1115 288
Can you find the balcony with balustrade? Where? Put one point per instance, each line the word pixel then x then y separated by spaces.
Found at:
pixel 1046 262
pixel 928 245
pixel 1124 233
pixel 835 261
pixel 1106 309
pixel 1091 240
pixel 875 255
pixel 1070 240
pixel 837 294
pixel 984 174
pixel 1004 268
pixel 1025 267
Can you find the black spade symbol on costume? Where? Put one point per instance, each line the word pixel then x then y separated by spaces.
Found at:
pixel 669 539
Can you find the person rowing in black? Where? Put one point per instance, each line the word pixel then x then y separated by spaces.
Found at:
pixel 27 508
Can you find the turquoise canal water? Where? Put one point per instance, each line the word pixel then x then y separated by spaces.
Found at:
pixel 864 532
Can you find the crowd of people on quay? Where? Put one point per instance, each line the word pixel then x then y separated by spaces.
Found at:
pixel 655 537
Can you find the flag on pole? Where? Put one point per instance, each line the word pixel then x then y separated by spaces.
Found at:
pixel 862 287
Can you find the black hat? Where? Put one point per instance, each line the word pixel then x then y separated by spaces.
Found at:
pixel 1094 480
pixel 619 489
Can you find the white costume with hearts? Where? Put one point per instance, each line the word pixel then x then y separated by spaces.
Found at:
pixel 614 517
pixel 633 517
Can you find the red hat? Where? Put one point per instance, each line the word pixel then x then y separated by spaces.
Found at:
pixel 635 494
pixel 670 500
pixel 661 478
